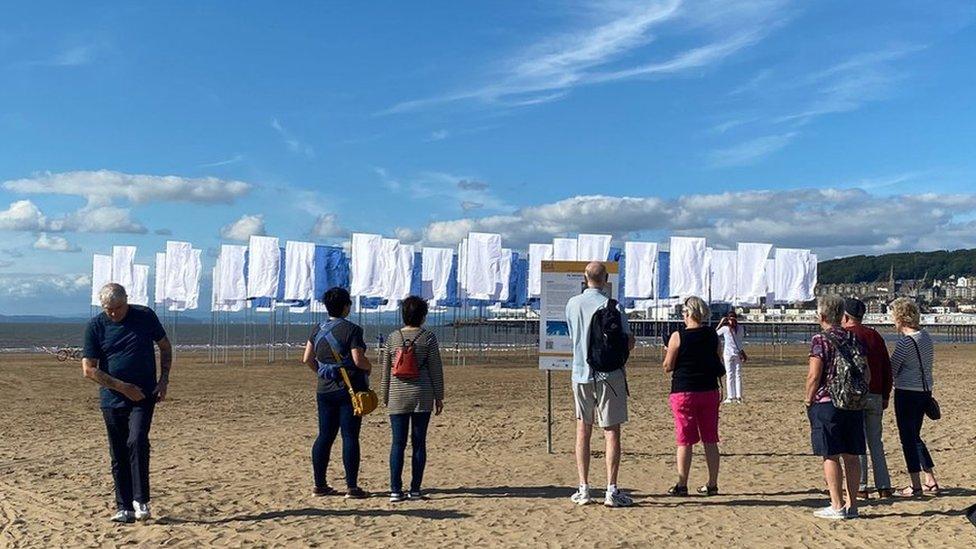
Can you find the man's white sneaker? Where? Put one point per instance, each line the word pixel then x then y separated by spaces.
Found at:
pixel 581 497
pixel 123 517
pixel 831 513
pixel 141 510
pixel 617 499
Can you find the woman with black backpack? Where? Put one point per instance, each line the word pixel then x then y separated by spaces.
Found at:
pixel 413 388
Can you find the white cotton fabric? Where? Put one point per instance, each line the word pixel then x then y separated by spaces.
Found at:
pixel 122 259
pixel 790 275
pixel 386 265
pixel 365 276
pixel 233 286
pixel 537 254
pixel 435 270
pixel 769 274
pixel 811 277
pixel 593 247
pixel 177 262
pixel 689 272
pixel 101 275
pixel 462 274
pixel 299 257
pixel 193 274
pixel 159 286
pixel 139 294
pixel 722 267
pixel 640 266
pixel 484 255
pixel 263 264
pixel 403 273
pixel 750 271
pixel 564 249
pixel 504 277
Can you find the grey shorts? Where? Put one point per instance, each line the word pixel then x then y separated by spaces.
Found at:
pixel 604 400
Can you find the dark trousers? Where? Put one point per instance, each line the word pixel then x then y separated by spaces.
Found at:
pixel 128 444
pixel 335 414
pixel 909 414
pixel 416 425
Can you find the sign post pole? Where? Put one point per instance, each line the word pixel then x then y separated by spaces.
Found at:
pixel 549 411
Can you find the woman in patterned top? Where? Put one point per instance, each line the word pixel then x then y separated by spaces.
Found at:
pixel 835 434
pixel 411 401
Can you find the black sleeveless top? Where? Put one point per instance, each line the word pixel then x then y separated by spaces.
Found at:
pixel 698 366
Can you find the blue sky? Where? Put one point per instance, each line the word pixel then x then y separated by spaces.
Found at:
pixel 845 127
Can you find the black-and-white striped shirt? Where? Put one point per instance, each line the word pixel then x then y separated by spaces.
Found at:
pixel 904 362
pixel 405 396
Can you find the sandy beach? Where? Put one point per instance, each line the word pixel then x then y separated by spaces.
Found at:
pixel 231 464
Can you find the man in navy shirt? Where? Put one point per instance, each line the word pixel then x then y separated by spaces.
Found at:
pixel 119 356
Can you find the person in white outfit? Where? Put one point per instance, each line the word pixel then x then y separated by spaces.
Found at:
pixel 732 335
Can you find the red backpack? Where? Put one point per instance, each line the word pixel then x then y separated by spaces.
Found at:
pixel 405 362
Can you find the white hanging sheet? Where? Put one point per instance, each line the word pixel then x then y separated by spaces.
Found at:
pixel 365 276
pixel 140 285
pixel 750 271
pixel 403 273
pixel 263 263
pixel 811 277
pixel 462 274
pixel 689 273
pixel 640 266
pixel 722 267
pixel 101 275
pixel 299 257
pixel 435 269
pixel 769 274
pixel 593 247
pixel 386 265
pixel 564 249
pixel 483 263
pixel 159 287
pixel 233 286
pixel 790 280
pixel 537 254
pixel 504 277
pixel 177 262
pixel 193 280
pixel 122 260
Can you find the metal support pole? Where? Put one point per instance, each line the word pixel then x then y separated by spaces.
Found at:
pixel 549 411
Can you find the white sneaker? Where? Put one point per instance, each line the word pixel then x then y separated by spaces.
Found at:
pixel 617 499
pixel 123 517
pixel 727 401
pixel 830 513
pixel 141 510
pixel 581 497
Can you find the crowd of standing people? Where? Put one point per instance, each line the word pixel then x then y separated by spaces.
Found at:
pixel 849 383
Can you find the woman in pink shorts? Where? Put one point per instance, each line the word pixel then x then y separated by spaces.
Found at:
pixel 695 365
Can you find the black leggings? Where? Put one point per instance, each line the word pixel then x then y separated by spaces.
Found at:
pixel 335 414
pixel 909 415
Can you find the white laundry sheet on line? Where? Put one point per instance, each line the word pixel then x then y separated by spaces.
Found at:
pixel 722 270
pixel 101 275
pixel 593 247
pixel 688 270
pixel 750 271
pixel 299 257
pixel 564 249
pixel 232 287
pixel 790 276
pixel 483 264
pixel 435 270
pixel 640 266
pixel 178 258
pixel 365 277
pixel 263 263
pixel 159 285
pixel 122 259
pixel 139 294
pixel 537 254
pixel 386 265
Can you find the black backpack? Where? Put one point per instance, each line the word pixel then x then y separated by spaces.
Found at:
pixel 607 345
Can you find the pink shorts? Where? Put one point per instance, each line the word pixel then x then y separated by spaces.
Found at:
pixel 695 417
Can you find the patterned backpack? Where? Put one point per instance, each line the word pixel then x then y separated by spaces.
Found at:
pixel 850 386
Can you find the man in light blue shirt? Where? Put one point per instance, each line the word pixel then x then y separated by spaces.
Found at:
pixel 598 395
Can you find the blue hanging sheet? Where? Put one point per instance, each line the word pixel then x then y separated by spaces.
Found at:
pixel 452 285
pixel 331 269
pixel 664 275
pixel 518 283
pixel 417 275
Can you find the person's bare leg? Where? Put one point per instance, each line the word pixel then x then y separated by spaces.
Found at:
pixel 712 461
pixel 684 464
pixel 834 477
pixel 612 436
pixel 583 432
pixel 852 473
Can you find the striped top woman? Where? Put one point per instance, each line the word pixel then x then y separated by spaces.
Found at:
pixel 410 401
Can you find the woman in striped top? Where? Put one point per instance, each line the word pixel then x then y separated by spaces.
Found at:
pixel 411 401
pixel 911 366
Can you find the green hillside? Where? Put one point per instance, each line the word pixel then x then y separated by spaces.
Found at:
pixel 862 268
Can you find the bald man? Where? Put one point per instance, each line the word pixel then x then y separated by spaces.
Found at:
pixel 600 396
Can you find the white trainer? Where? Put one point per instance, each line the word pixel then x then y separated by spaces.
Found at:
pixel 617 499
pixel 581 496
pixel 141 510
pixel 830 513
pixel 123 517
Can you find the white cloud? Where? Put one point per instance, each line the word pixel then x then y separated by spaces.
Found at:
pixel 439 135
pixel 34 285
pixel 98 219
pixel 327 226
pixel 831 221
pixel 244 228
pixel 54 243
pixel 750 151
pixel 293 143
pixel 22 215
pixel 74 57
pixel 226 162
pixel 104 186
